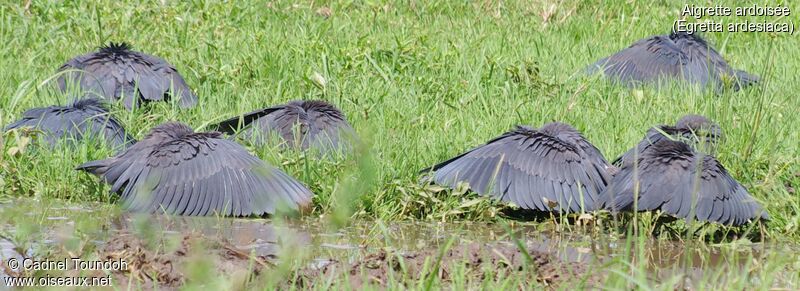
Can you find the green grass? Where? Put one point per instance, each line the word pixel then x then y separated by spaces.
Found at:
pixel 421 81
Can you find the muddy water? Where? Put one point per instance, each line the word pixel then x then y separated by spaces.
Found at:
pixel 323 245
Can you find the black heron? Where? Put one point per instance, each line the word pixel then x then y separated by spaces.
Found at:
pixel 117 72
pixel 553 168
pixel 300 124
pixel 678 55
pixel 178 171
pixel 673 177
pixel 82 118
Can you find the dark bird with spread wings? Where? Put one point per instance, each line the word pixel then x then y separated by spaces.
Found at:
pixel 300 124
pixel 178 171
pixel 117 72
pixel 694 130
pixel 83 118
pixel 679 56
pixel 673 177
pixel 553 168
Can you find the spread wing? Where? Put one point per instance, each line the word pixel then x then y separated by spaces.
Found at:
pixel 201 176
pixel 284 122
pixel 529 169
pixel 706 61
pixel 59 122
pixel 115 78
pixel 157 78
pixel 723 199
pixel 232 125
pixel 328 132
pixel 650 60
pixel 323 130
pixel 671 184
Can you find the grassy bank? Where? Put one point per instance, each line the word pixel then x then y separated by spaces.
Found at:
pixel 420 81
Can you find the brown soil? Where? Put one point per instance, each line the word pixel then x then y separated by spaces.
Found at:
pixel 156 263
pixel 480 261
pixel 168 265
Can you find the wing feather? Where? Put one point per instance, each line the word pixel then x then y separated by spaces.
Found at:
pixel 199 175
pixel 116 72
pixel 85 118
pixel 678 56
pixel 234 124
pixel 668 173
pixel 533 166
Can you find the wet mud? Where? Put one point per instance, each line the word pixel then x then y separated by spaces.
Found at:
pixel 163 252
pixel 157 262
pixel 476 261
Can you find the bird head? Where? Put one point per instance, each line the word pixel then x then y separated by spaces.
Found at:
pixel 700 130
pixel 322 107
pixel 89 103
pixel 115 50
pixel 700 125
pixel 683 36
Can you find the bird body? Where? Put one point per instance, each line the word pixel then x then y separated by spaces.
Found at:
pixel 177 171
pixel 117 72
pixel 553 168
pixel 299 124
pixel 678 56
pixel 81 119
